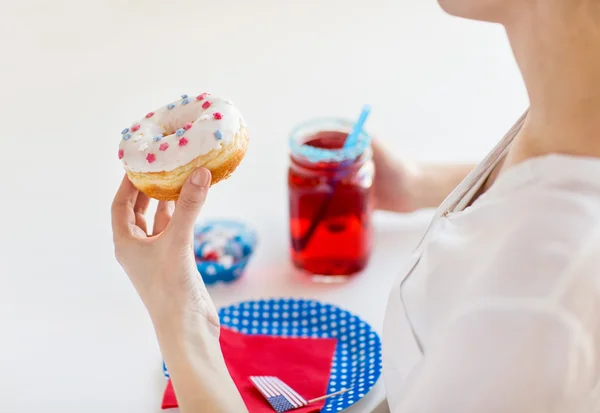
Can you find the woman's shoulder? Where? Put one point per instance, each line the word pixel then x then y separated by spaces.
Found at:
pixel 541 228
pixel 541 192
pixel 565 176
pixel 535 228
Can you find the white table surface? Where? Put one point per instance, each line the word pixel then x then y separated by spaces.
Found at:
pixel 74 335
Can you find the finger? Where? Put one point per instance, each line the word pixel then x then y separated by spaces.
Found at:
pixel 188 205
pixel 122 207
pixel 384 158
pixel 378 149
pixel 164 210
pixel 140 208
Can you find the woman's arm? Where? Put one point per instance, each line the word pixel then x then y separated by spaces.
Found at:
pixel 190 347
pixel 432 183
pixel 160 263
pixel 403 186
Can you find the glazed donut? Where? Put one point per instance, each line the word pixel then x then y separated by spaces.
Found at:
pixel 161 150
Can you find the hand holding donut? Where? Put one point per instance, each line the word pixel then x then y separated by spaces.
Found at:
pixel 161 263
pixel 176 153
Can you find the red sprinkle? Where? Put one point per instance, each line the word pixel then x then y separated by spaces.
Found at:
pixel 217 115
pixel 183 142
pixel 149 115
pixel 211 256
pixel 121 153
pixel 201 96
pixel 135 128
pixel 150 158
pixel 205 105
pixel 187 126
pixel 163 146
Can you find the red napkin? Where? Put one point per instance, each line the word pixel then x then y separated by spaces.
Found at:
pixel 303 363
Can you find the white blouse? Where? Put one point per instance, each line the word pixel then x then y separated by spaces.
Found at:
pixel 498 310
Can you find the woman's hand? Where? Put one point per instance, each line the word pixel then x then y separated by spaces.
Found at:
pixel 394 181
pixel 160 263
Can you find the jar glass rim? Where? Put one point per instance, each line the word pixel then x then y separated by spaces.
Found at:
pixel 313 154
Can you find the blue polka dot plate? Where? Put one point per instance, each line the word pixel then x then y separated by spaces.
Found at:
pixel 357 359
pixel 223 249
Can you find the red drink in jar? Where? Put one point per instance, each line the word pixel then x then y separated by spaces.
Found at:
pixel 330 200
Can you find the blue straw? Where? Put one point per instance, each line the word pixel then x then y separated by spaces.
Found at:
pixel 353 137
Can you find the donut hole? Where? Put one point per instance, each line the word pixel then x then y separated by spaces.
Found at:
pixel 176 118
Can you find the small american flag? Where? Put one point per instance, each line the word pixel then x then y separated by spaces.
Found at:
pixel 281 396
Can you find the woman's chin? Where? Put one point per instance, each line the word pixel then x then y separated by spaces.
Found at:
pixel 482 10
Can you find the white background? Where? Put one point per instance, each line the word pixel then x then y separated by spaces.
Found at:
pixel 74 335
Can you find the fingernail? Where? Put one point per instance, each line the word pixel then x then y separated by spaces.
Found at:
pixel 200 177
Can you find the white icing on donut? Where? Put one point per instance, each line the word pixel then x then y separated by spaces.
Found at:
pixel 155 145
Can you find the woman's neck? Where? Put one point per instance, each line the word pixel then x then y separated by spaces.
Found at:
pixel 558 52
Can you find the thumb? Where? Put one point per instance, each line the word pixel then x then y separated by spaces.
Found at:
pixel 189 204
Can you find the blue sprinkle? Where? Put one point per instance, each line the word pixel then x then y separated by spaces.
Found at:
pixel 184 96
pixel 185 101
pixel 124 131
pixel 180 132
pixel 157 138
pixel 246 249
pixel 127 136
pixel 218 134
pixel 170 106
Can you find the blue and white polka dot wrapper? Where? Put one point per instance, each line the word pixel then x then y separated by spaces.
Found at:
pixel 357 359
pixel 223 249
